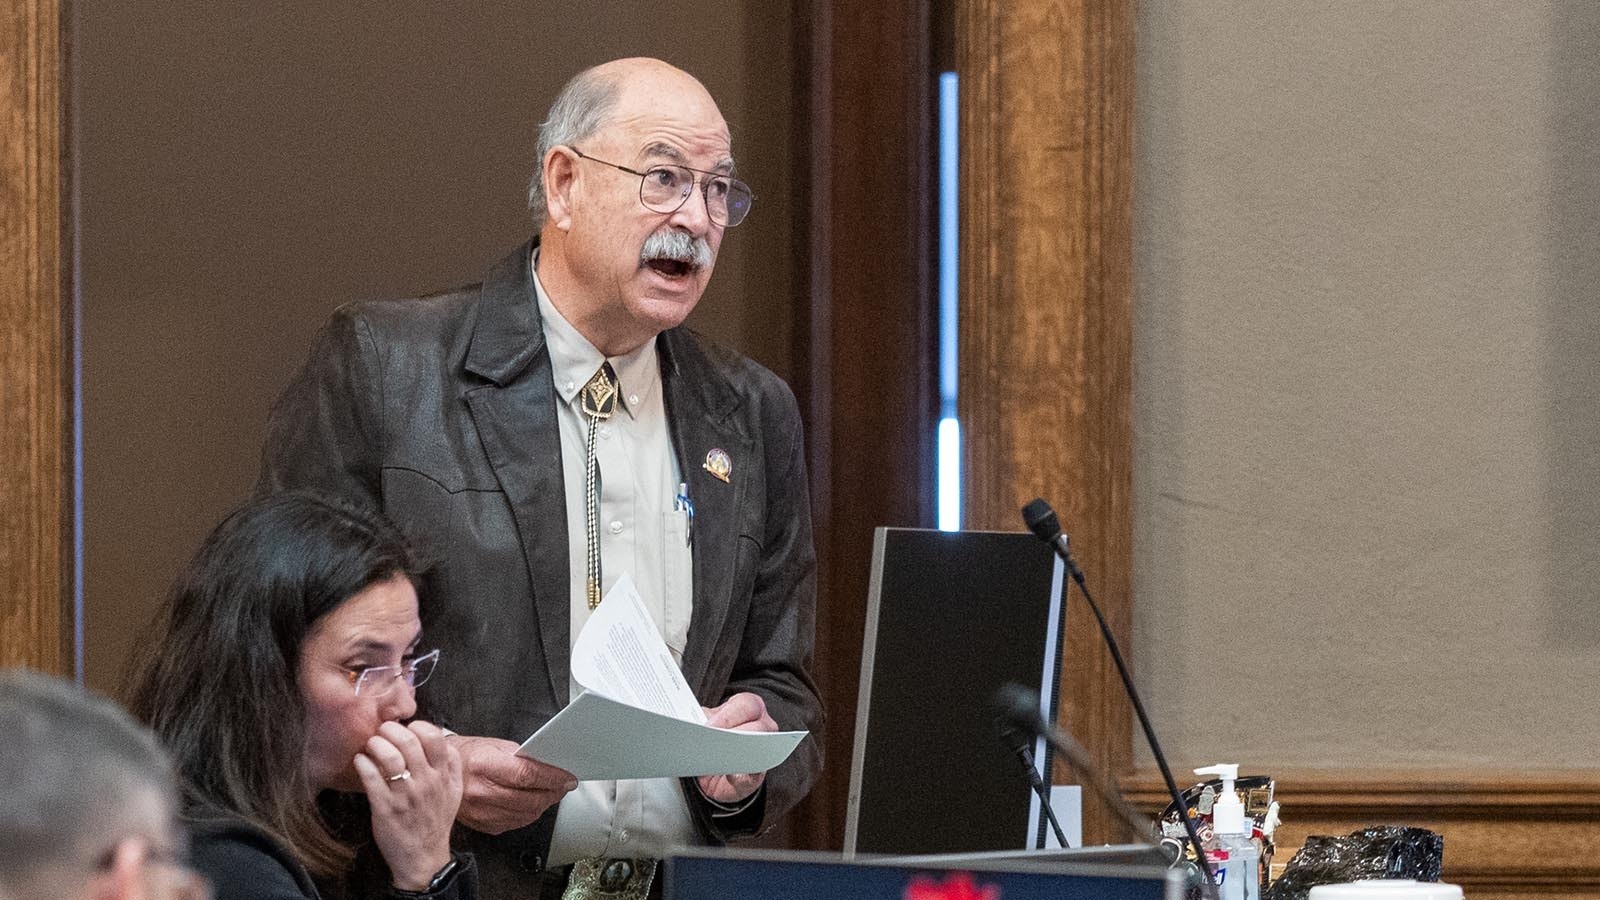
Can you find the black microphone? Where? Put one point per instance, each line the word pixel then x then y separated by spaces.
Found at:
pixel 1017 740
pixel 1041 520
pixel 1019 707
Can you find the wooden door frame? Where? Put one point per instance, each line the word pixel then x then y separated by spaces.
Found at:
pixel 37 614
pixel 865 336
pixel 867 333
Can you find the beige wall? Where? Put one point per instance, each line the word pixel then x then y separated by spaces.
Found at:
pixel 244 167
pixel 1367 381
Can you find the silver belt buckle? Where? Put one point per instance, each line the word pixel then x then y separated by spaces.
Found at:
pixel 599 878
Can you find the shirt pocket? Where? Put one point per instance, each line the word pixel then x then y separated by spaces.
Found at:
pixel 677 594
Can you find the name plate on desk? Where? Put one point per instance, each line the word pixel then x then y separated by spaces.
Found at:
pixel 756 875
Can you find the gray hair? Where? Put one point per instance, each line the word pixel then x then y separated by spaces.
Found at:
pixel 80 777
pixel 581 109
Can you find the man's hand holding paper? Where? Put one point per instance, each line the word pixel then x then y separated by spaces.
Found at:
pixel 741 712
pixel 637 718
pixel 503 791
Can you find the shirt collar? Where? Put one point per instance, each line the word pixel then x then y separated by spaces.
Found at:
pixel 573 360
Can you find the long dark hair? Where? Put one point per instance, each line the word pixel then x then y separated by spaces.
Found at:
pixel 217 680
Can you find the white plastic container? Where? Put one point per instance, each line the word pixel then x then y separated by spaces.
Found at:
pixel 1387 889
pixel 1234 857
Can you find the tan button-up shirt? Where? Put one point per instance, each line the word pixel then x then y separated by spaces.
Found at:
pixel 642 534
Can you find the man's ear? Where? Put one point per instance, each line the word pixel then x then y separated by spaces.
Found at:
pixel 560 182
pixel 125 878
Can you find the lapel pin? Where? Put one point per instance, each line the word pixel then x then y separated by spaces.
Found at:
pixel 718 464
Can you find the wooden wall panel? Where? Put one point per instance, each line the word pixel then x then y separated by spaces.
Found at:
pixel 867 384
pixel 1046 311
pixel 1524 835
pixel 35 412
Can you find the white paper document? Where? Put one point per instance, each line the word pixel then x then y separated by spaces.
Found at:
pixel 636 716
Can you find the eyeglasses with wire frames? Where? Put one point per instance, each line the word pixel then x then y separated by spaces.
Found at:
pixel 382 678
pixel 665 188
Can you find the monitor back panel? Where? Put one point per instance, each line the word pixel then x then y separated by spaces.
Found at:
pixel 951 617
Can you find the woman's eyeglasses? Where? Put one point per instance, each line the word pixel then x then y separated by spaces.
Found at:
pixel 382 678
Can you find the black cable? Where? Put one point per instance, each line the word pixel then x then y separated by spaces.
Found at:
pixel 1041 520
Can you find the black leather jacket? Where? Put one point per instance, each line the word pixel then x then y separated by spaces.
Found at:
pixel 441 412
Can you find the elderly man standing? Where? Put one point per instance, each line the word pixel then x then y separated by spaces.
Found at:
pixel 87 803
pixel 552 428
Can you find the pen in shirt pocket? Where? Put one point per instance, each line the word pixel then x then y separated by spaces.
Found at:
pixel 682 504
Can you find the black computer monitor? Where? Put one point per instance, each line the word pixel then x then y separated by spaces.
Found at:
pixel 951 616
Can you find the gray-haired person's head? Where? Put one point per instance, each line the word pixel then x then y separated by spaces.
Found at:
pixel 581 109
pixel 81 778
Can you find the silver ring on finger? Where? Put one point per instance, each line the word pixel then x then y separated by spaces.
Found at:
pixel 402 775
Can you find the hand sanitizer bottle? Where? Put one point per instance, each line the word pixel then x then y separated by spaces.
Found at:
pixel 1235 858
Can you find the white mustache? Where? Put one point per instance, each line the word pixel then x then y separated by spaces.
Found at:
pixel 679 246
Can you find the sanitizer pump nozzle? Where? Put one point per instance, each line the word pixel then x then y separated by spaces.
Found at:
pixel 1227 816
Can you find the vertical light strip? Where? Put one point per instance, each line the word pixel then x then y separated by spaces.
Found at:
pixel 77 447
pixel 75 211
pixel 949 439
pixel 949 474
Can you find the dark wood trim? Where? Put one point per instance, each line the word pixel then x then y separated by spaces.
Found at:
pixel 867 333
pixel 1045 392
pixel 35 387
pixel 1523 835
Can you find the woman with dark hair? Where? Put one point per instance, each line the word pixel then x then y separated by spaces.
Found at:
pixel 280 671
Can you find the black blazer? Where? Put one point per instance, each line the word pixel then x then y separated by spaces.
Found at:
pixel 441 411
pixel 243 862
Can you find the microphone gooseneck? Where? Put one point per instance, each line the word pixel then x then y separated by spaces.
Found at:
pixel 1019 707
pixel 1016 740
pixel 1042 521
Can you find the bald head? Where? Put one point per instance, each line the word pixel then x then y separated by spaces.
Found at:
pixel 604 95
pixel 646 83
pixel 647 68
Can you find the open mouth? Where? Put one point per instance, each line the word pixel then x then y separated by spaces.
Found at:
pixel 671 268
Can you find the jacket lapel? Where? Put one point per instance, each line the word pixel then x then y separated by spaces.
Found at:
pixel 515 416
pixel 700 403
